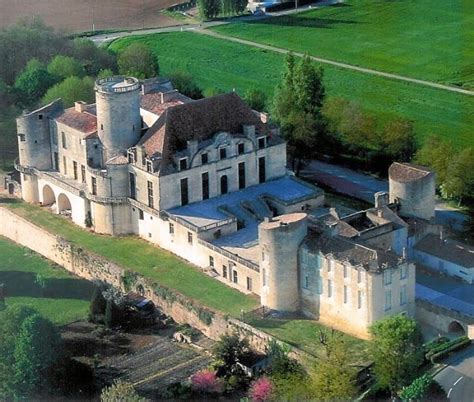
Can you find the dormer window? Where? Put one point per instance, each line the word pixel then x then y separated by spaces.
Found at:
pixel 183 163
pixel 223 153
pixel 262 142
pixel 240 148
pixel 149 166
pixel 131 157
pixel 204 158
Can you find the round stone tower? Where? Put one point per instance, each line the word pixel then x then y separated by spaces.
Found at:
pixel 413 187
pixel 118 113
pixel 279 240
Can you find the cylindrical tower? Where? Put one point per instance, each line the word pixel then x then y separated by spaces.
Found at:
pixel 279 240
pixel 118 113
pixel 413 187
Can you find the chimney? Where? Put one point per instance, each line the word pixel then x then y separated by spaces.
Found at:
pixel 381 199
pixel 140 153
pixel 168 96
pixel 80 106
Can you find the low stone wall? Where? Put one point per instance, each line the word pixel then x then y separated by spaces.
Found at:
pixel 93 267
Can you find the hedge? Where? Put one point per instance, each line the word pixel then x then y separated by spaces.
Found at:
pixel 444 346
pixel 461 343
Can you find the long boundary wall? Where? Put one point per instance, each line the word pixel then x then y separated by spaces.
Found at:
pixel 92 267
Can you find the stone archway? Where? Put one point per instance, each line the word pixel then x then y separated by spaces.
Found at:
pixel 64 205
pixel 48 196
pixel 456 328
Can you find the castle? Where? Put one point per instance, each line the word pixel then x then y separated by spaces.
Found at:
pixel 207 180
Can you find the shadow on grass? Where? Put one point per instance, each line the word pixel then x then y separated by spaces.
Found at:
pixel 23 284
pixel 301 21
pixel 8 200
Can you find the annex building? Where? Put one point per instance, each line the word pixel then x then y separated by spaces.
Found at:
pixel 207 180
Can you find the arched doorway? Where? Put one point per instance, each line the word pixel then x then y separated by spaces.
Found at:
pixel 64 205
pixel 224 185
pixel 48 196
pixel 455 328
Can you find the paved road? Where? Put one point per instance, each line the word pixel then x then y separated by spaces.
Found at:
pixel 200 28
pixel 457 379
pixel 363 186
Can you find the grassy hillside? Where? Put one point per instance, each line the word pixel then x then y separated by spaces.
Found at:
pixel 64 299
pixel 426 39
pixel 226 65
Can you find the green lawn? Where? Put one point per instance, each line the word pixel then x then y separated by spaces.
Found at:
pixel 140 256
pixel 64 299
pixel 426 39
pixel 218 63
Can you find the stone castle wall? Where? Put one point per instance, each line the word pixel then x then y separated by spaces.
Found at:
pixel 92 267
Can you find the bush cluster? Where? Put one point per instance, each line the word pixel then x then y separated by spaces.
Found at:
pixel 445 349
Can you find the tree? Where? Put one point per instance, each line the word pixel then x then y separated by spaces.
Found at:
pixel 256 99
pixel 206 382
pixel 459 182
pixel 138 61
pixel 186 85
pixel 261 390
pixel 437 154
pixel 37 349
pixel 417 390
pixel 399 140
pixel 93 58
pixel 209 9
pixel 240 6
pixel 98 304
pixel 33 82
pixel 333 377
pixel 120 391
pixel 62 67
pixel 111 314
pixel 230 349
pixel 70 90
pixel 281 363
pixel 396 351
pixel 105 73
pixel 213 91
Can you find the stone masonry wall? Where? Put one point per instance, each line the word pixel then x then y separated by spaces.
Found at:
pixel 92 267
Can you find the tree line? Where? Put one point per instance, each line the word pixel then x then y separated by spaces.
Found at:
pixel 209 9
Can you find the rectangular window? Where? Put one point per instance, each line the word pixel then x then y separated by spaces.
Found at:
pixel 83 173
pixel 345 295
pixel 249 283
pixel 184 192
pixel 235 277
pixel 319 286
pixel 403 295
pixel 403 272
pixel 306 282
pixel 64 165
pixel 241 175
pixel 94 185
pixel 141 216
pixel 63 140
pixel 359 299
pixel 262 142
pixel 150 194
pixel 204 158
pixel 56 161
pixel 262 175
pixel 329 288
pixel 387 277
pixel 240 148
pixel 183 163
pixel 190 238
pixel 346 271
pixel 74 169
pixel 359 276
pixel 211 261
pixel 223 153
pixel 133 186
pixel 22 137
pixel 264 277
pixel 205 185
pixel 330 265
pixel 388 300
pixel 171 227
pixel 224 271
pixel 149 166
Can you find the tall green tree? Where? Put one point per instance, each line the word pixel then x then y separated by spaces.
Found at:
pixel 240 6
pixel 70 90
pixel 256 99
pixel 333 377
pixel 186 85
pixel 437 154
pixel 120 391
pixel 62 67
pixel 229 349
pixel 32 83
pixel 209 9
pixel 459 182
pixel 138 61
pixel 93 58
pixel 399 140
pixel 37 348
pixel 396 351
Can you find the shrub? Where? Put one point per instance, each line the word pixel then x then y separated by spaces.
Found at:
pixel 206 382
pixel 120 391
pixel 462 343
pixel 261 390
pixel 417 389
pixel 441 347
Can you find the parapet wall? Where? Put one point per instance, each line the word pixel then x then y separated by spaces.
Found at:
pixel 92 267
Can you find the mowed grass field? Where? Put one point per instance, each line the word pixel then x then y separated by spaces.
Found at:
pixel 426 39
pixel 64 298
pixel 226 65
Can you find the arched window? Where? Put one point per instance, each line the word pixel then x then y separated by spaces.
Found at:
pixel 224 185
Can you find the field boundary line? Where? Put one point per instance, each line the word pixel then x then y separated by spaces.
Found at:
pixel 335 63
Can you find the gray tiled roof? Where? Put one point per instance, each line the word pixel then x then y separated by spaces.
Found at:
pixel 447 249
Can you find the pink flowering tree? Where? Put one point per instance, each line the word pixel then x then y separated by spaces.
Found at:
pixel 206 382
pixel 261 390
